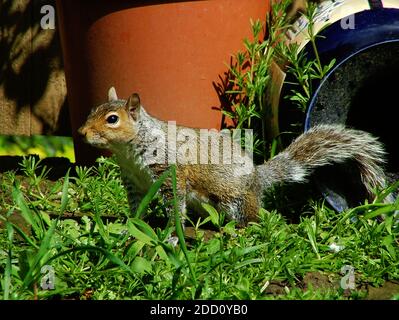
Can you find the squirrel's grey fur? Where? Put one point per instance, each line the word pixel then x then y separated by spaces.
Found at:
pixel 237 188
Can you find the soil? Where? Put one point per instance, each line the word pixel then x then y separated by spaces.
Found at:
pixel 330 282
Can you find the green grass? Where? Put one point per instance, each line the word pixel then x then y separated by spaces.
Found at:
pixel 43 146
pixel 81 227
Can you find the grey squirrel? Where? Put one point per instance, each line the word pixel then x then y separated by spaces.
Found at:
pixel 126 129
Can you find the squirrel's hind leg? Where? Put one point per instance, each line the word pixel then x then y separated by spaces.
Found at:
pixel 241 209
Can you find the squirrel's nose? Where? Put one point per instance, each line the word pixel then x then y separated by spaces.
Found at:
pixel 82 131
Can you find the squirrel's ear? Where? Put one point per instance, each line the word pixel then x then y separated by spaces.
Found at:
pixel 112 94
pixel 133 105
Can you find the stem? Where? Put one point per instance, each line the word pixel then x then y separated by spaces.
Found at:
pixel 311 14
pixel 35 291
pixel 179 227
pixel 316 53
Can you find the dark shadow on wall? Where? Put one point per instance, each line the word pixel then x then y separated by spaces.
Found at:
pixel 29 56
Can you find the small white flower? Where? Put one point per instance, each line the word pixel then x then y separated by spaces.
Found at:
pixel 336 248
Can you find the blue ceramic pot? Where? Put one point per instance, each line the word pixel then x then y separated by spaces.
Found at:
pixel 360 91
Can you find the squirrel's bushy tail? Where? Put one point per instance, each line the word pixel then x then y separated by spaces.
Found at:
pixel 325 145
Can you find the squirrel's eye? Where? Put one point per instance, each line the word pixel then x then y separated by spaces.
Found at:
pixel 112 119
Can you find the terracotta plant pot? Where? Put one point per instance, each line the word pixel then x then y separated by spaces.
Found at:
pixel 170 52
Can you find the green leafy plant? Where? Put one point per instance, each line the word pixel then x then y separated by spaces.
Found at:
pixel 250 77
pixel 111 254
pixel 304 70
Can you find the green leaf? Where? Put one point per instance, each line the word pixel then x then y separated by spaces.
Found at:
pixel 381 211
pixel 388 191
pixel 166 248
pixel 389 222
pixel 97 219
pixel 387 242
pixel 25 260
pixel 141 265
pixel 310 228
pixel 135 248
pixel 44 249
pixel 178 225
pixel 150 194
pixel 243 251
pixel 144 227
pixel 46 218
pixel 140 235
pixel 248 262
pixel 111 257
pixel 25 236
pixel 230 228
pixel 213 214
pixel 213 246
pixel 161 252
pixel 64 196
pixel 8 268
pixel 25 211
